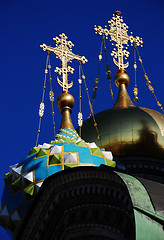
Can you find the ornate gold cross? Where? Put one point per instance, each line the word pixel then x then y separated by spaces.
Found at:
pixel 63 51
pixel 118 33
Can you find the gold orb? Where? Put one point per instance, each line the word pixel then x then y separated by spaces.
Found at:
pixel 65 100
pixel 121 78
pixel 135 98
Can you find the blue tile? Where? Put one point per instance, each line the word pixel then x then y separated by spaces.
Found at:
pixel 3 199
pixel 54 169
pixel 26 159
pixel 28 166
pixel 85 158
pixel 68 147
pixel 15 201
pixel 73 148
pixel 84 150
pixel 7 196
pixel 59 144
pixel 98 160
pixel 34 164
pixel 40 162
pixel 9 233
pixel 40 174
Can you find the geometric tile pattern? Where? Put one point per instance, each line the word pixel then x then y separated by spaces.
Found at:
pixel 24 179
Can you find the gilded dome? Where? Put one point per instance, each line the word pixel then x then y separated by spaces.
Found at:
pixel 132 131
pixel 127 130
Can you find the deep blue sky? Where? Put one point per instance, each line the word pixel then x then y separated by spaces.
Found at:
pixel 24 25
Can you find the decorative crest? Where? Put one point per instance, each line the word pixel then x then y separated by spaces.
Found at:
pixel 64 53
pixel 118 33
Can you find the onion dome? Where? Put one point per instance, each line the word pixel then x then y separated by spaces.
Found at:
pixel 24 179
pixel 135 135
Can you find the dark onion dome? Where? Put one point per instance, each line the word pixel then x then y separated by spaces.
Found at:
pixel 135 135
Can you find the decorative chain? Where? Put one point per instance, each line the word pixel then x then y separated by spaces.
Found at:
pixel 108 72
pixel 91 108
pixel 95 88
pixel 51 96
pixel 148 82
pixel 135 89
pixel 42 105
pixel 80 115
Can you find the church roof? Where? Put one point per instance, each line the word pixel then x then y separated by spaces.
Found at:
pixel 24 180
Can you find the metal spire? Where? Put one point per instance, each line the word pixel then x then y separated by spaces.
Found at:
pixel 64 53
pixel 118 33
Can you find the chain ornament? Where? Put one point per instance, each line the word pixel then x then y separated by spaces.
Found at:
pixel 80 119
pixel 63 51
pixel 51 95
pixel 135 90
pixel 80 81
pixel 118 34
pixel 148 82
pixel 41 109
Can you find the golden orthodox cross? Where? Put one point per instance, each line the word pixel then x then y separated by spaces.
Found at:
pixel 118 33
pixel 63 51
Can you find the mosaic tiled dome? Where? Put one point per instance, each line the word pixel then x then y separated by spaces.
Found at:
pixel 25 178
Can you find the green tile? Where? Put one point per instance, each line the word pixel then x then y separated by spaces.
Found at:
pixel 59 141
pixel 55 159
pixel 68 140
pixel 66 166
pixel 29 190
pixel 42 152
pixel 81 144
pixel 7 179
pixel 27 197
pixel 16 185
pixel 34 150
pixel 110 163
pixel 97 152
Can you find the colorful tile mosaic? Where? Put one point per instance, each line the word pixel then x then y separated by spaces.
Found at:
pixel 25 179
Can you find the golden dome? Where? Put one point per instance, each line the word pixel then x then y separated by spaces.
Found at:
pixel 132 131
pixel 127 130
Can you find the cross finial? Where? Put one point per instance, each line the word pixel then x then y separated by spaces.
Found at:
pixel 63 51
pixel 118 33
